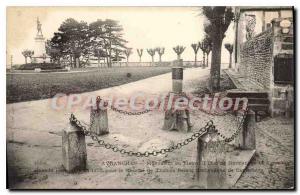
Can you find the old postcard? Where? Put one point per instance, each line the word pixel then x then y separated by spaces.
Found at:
pixel 150 97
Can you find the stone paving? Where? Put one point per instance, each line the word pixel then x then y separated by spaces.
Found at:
pixel 273 165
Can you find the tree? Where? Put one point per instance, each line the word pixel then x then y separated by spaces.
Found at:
pixel 99 53
pixel 208 47
pixel 72 39
pixel 219 19
pixel 140 53
pixel 179 50
pixel 117 55
pixel 78 40
pixel 113 39
pixel 229 48
pixel 53 51
pixel 160 51
pixel 30 54
pixel 202 46
pixel 151 52
pixel 128 52
pixel 27 53
pixel 207 51
pixel 195 47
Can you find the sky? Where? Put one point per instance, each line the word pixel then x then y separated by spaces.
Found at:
pixel 144 27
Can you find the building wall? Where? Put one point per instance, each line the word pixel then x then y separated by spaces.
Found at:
pixel 256 58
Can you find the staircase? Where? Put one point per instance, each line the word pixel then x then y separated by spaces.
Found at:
pixel 257 101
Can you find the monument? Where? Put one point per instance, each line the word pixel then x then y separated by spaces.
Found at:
pixel 40 55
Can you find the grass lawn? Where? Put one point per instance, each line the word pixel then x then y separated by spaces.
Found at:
pixel 35 86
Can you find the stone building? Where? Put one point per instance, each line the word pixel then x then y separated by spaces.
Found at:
pixel 264 54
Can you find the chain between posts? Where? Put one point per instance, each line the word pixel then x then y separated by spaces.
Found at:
pixel 236 133
pixel 88 132
pixel 209 127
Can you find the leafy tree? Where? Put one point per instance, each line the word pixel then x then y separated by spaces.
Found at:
pixel 53 51
pixel 179 50
pixel 140 53
pixel 128 52
pixel 78 40
pixel 113 39
pixel 160 51
pixel 151 52
pixel 219 19
pixel 229 48
pixel 27 53
pixel 72 39
pixel 195 47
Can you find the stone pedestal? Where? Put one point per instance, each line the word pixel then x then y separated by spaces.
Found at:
pixel 211 162
pixel 73 149
pixel 178 120
pixel 99 121
pixel 246 137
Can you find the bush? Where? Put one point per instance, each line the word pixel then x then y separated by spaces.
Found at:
pixel 43 66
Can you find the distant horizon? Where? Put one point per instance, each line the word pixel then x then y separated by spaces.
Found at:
pixel 144 27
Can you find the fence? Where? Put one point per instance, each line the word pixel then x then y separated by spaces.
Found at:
pixel 211 143
pixel 143 64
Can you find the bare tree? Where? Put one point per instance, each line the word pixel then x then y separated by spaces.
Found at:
pixel 179 50
pixel 128 52
pixel 27 53
pixel 207 51
pixel 202 46
pixel 229 48
pixel 140 53
pixel 160 51
pixel 151 52
pixel 195 47
pixel 219 19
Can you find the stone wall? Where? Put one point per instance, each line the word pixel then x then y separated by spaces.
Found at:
pixel 256 58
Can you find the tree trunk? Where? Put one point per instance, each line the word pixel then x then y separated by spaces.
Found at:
pixel 25 60
pixel 207 59
pixel 159 58
pixel 215 64
pixel 98 62
pixel 152 60
pixel 77 62
pixel 230 60
pixel 71 61
pixel 178 56
pixel 195 59
pixel 140 58
pixel 203 64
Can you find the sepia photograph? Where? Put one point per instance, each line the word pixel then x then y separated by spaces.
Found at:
pixel 156 97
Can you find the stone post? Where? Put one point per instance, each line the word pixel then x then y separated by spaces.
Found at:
pixel 177 119
pixel 99 119
pixel 177 77
pixel 211 162
pixel 246 138
pixel 289 111
pixel 73 149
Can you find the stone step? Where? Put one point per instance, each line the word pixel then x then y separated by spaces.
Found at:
pixel 247 94
pixel 257 101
